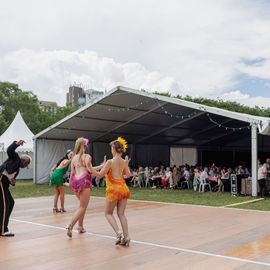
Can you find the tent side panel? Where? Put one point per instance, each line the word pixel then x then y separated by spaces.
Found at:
pixel 100 150
pixel 183 155
pixel 48 152
pixel 152 155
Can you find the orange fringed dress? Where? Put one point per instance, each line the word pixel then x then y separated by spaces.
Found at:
pixel 116 189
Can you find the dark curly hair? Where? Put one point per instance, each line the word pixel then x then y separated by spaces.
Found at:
pixel 117 146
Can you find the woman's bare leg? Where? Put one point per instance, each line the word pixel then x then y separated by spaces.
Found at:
pixel 109 215
pixel 62 196
pixel 121 207
pixel 84 200
pixel 81 219
pixel 56 196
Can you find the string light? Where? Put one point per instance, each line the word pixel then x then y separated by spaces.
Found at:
pixel 227 127
pixel 166 112
pixel 113 109
pixel 171 115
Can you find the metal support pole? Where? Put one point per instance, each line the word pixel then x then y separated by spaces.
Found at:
pixel 35 161
pixel 254 159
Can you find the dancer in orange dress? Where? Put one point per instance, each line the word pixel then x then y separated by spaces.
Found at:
pixel 117 191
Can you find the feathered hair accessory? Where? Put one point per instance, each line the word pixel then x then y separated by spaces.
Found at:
pixel 85 142
pixel 123 142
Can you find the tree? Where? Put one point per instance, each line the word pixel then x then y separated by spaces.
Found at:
pixel 12 99
pixel 219 103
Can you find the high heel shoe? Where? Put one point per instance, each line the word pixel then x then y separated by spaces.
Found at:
pixel 125 241
pixel 81 229
pixel 119 237
pixel 62 210
pixel 55 210
pixel 69 230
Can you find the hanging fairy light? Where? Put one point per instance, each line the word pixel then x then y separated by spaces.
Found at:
pixel 226 127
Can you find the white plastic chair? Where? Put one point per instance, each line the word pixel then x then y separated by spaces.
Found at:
pixel 204 184
pixel 185 182
pixel 196 183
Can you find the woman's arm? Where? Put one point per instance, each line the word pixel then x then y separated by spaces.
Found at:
pixel 64 163
pixel 127 172
pixel 53 168
pixel 72 171
pixel 97 168
pixel 103 171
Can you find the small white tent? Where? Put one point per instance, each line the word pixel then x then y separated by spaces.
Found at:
pixel 18 130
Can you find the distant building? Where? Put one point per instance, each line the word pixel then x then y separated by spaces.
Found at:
pixel 91 95
pixel 48 106
pixel 78 96
pixel 75 95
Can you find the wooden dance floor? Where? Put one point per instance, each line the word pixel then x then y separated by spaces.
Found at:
pixel 165 236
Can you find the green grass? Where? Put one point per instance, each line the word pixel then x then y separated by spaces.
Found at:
pixel 25 188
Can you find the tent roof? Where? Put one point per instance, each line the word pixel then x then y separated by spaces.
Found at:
pixel 18 130
pixel 143 117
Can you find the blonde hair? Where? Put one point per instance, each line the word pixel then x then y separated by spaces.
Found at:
pixel 79 148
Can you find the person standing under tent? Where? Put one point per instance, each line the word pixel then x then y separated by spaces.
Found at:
pixel 81 182
pixel 58 173
pixel 262 176
pixel 117 192
pixel 8 173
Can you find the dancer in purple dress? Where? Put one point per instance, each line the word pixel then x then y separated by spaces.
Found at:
pixel 80 182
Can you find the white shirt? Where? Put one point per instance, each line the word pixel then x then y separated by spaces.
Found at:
pixel 204 175
pixel 262 172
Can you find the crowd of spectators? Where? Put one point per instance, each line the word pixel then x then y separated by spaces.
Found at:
pixel 186 176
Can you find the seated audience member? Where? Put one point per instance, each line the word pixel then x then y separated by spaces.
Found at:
pixel 140 182
pixel 168 177
pixel 196 179
pixel 175 177
pixel 240 170
pixel 147 174
pixel 224 178
pixel 185 175
pixel 156 178
pixel 204 175
pixel 213 178
pixel 134 179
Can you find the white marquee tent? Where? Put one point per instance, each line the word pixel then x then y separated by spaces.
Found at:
pixel 159 130
pixel 18 130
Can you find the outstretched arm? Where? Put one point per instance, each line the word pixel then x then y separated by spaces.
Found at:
pixel 72 171
pixel 97 168
pixel 11 149
pixel 103 171
pixel 127 172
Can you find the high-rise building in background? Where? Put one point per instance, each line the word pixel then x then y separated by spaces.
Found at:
pixel 75 95
pixel 78 96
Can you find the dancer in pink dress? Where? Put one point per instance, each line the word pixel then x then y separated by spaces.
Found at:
pixel 80 182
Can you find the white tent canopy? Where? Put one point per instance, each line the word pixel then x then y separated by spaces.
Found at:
pixel 18 130
pixel 152 124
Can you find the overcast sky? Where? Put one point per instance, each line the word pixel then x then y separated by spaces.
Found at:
pixel 203 48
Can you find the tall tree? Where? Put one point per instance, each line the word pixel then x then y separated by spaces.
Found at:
pixel 13 99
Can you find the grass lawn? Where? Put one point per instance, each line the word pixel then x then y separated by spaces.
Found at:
pixel 25 188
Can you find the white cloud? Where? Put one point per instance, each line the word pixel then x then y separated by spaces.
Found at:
pixel 49 73
pixel 187 47
pixel 245 99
